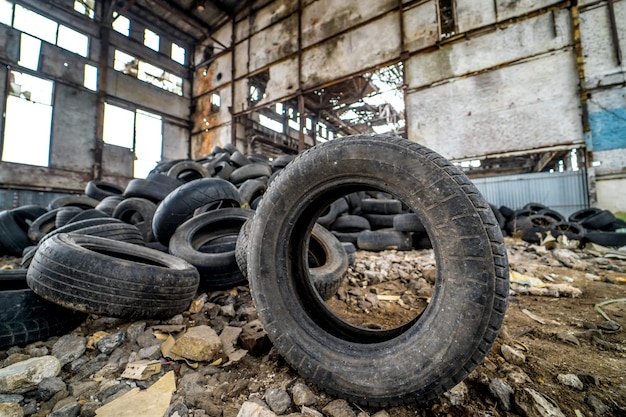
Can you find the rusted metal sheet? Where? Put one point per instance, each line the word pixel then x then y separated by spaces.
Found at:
pixel 601 65
pixel 520 107
pixel 507 9
pixel 241 59
pixel 528 38
pixel 208 114
pixel 421 27
pixel 352 52
pixel 203 142
pixel 324 18
pixel 472 14
pixel 213 76
pixel 271 44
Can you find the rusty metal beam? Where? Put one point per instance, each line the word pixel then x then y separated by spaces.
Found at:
pixel 614 34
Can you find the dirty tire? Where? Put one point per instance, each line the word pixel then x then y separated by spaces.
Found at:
pixel 155 188
pixel 99 190
pixel 218 270
pixel 138 212
pixel 96 275
pixel 14 226
pixel 81 201
pixel 384 239
pixel 408 222
pixel 187 171
pixel 573 231
pixel 423 358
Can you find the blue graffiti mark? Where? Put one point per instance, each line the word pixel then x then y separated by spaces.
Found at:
pixel 608 130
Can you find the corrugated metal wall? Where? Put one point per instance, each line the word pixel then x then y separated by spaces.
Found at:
pixel 565 192
pixel 13 198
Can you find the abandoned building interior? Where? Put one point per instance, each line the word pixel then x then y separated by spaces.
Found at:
pixel 527 97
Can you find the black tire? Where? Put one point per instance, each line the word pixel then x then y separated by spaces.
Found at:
pixel 218 270
pixel 98 190
pixel 598 221
pixel 534 208
pixel 222 170
pixel 507 212
pixel 64 215
pixel 138 212
pixel 534 228
pixel 610 239
pixel 241 247
pixel 408 222
pixel 330 213
pixel 615 225
pixel 101 276
pixel 81 201
pixel 25 317
pixel 81 224
pixel 108 204
pixel 240 160
pixel 346 237
pixel 350 223
pixel 558 217
pixel 14 225
pixel 381 206
pixel 88 214
pixel 499 216
pixel 187 171
pixel 513 226
pixel 582 214
pixel 250 171
pixel 249 190
pixel 281 161
pixel 154 188
pixel 420 359
pixel 46 223
pixel 385 239
pixel 573 231
pixel 380 221
pixel 122 232
pixel 180 205
pixel 350 251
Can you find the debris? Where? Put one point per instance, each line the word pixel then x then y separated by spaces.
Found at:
pixel 254 339
pixel 153 401
pixel 598 307
pixel 302 394
pixel 598 250
pixel 533 316
pixel 252 409
pixel 570 380
pixel 338 408
pixel 24 376
pixel 534 404
pixel 278 399
pixel 142 370
pixel 527 280
pixel 198 344
pixel 502 391
pixel 229 337
pixel 512 355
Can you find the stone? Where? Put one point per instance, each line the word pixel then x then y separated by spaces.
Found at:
pixel 338 408
pixel 302 395
pixel 533 404
pixel 150 352
pixel 146 339
pixel 89 409
pixel 37 351
pixel 24 376
pixel 254 339
pixel 502 391
pixel 11 398
pixel 69 348
pixel 15 358
pixel 596 405
pixel 570 380
pixel 253 409
pixel 134 330
pixel 83 388
pixel 48 387
pixel 512 355
pixel 457 394
pixel 200 344
pixel 108 343
pixel 71 409
pixel 11 410
pixel 228 310
pixel 177 409
pixel 278 400
pixel 381 413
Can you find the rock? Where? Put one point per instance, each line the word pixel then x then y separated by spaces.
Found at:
pixel 69 348
pixel 15 358
pixel 108 343
pixel 83 389
pixel 150 352
pixel 254 339
pixel 37 351
pixel 502 391
pixel 203 401
pixel 11 398
pixel 381 413
pixel 457 394
pixel 278 400
pixel 512 355
pixel 302 395
pixel 177 409
pixel 200 344
pixel 146 339
pixel 11 410
pixel 24 376
pixel 134 330
pixel 566 257
pixel 89 408
pixel 252 409
pixel 570 380
pixel 596 405
pixel 533 404
pixel 71 409
pixel 307 411
pixel 338 408
pixel 48 387
pixel 228 311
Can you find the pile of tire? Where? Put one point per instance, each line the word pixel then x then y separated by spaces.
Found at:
pixel 533 222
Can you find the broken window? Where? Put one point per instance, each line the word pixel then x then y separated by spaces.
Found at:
pixel 125 63
pixel 86 7
pixel 160 78
pixel 139 131
pixel 216 102
pixel 270 123
pixel 35 24
pixel 29 98
pixel 30 49
pixel 6 12
pixel 447 18
pixel 178 54
pixel 258 84
pixel 121 24
pixel 151 40
pixel 73 41
pixel 90 80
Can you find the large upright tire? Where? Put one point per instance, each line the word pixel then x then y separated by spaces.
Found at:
pixel 418 360
pixel 101 276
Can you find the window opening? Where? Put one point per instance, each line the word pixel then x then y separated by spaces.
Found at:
pixel 29 99
pixel 447 18
pixel 121 24
pixel 258 84
pixel 86 7
pixel 151 40
pixel 6 12
pixel 30 50
pixel 160 78
pixel 270 123
pixel 125 63
pixel 216 102
pixel 35 24
pixel 280 108
pixel 119 125
pixel 178 54
pixel 73 41
pixel 90 80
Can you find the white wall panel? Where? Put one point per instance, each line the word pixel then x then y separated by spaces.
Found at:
pixel 421 27
pixel 273 43
pixel 507 9
pixel 472 14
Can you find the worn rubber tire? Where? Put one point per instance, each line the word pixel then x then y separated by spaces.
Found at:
pixel 46 223
pixel 381 206
pixel 249 190
pixel 65 214
pixel 101 276
pixel 99 190
pixel 330 214
pixel 108 204
pixel 609 239
pixel 350 223
pixel 81 201
pixel 598 221
pixel 573 231
pixel 408 222
pixel 384 239
pixel 331 259
pixel 154 188
pixel 122 232
pixel 138 212
pixel 423 358
pixel 14 226
pixel 187 171
pixel 180 205
pixel 380 221
pixel 250 171
pixel 218 270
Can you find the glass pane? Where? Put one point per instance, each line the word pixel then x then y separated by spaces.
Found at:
pixel 178 54
pixel 148 136
pixel 30 49
pixel 6 12
pixel 119 126
pixel 35 24
pixel 73 41
pixel 125 63
pixel 151 39
pixel 31 88
pixel 86 7
pixel 91 77
pixel 121 24
pixel 26 142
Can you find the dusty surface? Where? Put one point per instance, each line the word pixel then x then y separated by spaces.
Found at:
pixel 555 335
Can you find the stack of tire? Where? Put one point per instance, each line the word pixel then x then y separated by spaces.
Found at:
pixel 534 221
